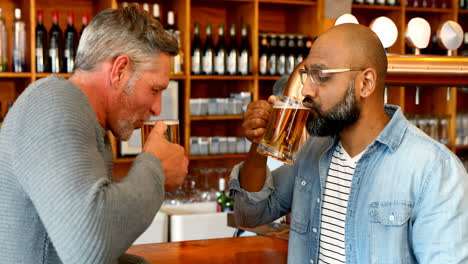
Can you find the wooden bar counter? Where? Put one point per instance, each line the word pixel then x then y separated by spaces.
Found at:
pixel 254 249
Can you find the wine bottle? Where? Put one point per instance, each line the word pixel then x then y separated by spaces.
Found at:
pixel 244 53
pixel 221 199
pixel 207 53
pixel 85 22
pixel 156 12
pixel 170 22
pixel 71 43
pixel 177 60
pixel 55 45
pixel 3 44
pixel 291 55
pixel 272 55
pixel 281 65
pixel 196 51
pixel 220 52
pixel 19 43
pixel 263 54
pixel 41 43
pixel 231 60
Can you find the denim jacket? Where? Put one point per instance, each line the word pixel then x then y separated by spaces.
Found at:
pixel 408 201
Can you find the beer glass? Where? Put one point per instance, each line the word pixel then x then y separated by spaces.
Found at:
pixel 284 130
pixel 172 130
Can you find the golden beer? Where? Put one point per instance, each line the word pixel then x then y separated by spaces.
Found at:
pixel 284 130
pixel 172 130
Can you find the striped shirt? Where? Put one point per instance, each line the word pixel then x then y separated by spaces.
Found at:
pixel 334 205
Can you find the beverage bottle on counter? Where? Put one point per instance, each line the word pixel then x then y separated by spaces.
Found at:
pixel 263 56
pixel 291 57
pixel 207 53
pixel 231 59
pixel 71 43
pixel 221 200
pixel 55 45
pixel 3 44
pixel 85 22
pixel 41 43
pixel 19 43
pixel 244 53
pixel 220 53
pixel 171 22
pixel 281 65
pixel 178 60
pixel 196 51
pixel 300 50
pixel 156 13
pixel 272 55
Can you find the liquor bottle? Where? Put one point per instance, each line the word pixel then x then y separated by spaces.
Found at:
pixel 263 54
pixel 380 2
pixel 41 43
pixel 424 3
pixel 19 43
pixel 461 4
pixel 300 50
pixel 231 59
pixel 220 53
pixel 71 43
pixel 207 53
pixel 281 65
pixel 146 7
pixel 170 22
pixel 196 50
pixel 244 53
pixel 291 55
pixel 3 44
pixel 85 22
pixel 221 199
pixel 55 45
pixel 156 13
pixel 370 2
pixel 391 2
pixel 272 55
pixel 177 60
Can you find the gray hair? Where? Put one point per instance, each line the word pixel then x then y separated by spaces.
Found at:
pixel 131 31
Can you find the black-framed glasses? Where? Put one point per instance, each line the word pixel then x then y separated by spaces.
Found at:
pixel 319 76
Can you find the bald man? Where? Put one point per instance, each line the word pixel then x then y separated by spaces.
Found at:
pixel 367 186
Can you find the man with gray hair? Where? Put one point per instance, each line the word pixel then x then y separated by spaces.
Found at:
pixel 58 201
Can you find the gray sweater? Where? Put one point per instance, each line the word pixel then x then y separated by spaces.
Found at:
pixel 58 203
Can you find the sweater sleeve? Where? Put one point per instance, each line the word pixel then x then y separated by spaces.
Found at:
pixel 88 218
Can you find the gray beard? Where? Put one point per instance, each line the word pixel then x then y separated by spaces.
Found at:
pixel 341 116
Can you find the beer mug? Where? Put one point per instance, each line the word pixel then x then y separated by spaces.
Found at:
pixel 284 130
pixel 172 133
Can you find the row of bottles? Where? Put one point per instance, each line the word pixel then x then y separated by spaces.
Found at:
pixel 428 3
pixel 18 43
pixel 376 2
pixel 55 53
pixel 279 55
pixel 221 59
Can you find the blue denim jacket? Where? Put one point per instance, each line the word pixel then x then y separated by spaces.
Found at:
pixel 408 200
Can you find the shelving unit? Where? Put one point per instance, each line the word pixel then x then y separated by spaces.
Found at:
pixel 278 16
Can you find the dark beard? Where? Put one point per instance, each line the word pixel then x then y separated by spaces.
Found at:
pixel 342 115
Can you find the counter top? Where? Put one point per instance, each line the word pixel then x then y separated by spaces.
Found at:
pixel 254 249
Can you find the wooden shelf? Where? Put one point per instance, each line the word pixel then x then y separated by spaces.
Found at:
pixel 15 75
pixel 268 78
pixel 223 77
pixel 375 7
pixel 224 156
pixel 223 117
pixel 428 10
pixel 288 2
pixel 42 75
pixel 178 77
pixel 463 12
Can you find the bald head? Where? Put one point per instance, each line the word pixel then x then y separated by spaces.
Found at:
pixel 357 46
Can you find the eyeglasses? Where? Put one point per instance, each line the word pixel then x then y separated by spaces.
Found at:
pixel 319 76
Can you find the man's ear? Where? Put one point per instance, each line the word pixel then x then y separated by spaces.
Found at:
pixel 121 72
pixel 368 78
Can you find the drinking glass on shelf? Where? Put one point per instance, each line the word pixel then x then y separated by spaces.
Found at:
pixel 206 192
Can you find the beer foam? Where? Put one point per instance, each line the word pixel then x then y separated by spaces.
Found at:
pixel 284 105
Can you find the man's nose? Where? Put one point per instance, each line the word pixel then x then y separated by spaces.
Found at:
pixel 156 106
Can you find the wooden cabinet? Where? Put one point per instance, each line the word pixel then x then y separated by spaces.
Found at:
pixel 278 16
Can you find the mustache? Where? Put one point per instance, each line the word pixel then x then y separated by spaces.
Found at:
pixel 308 102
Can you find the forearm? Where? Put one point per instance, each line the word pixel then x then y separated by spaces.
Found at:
pixel 253 172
